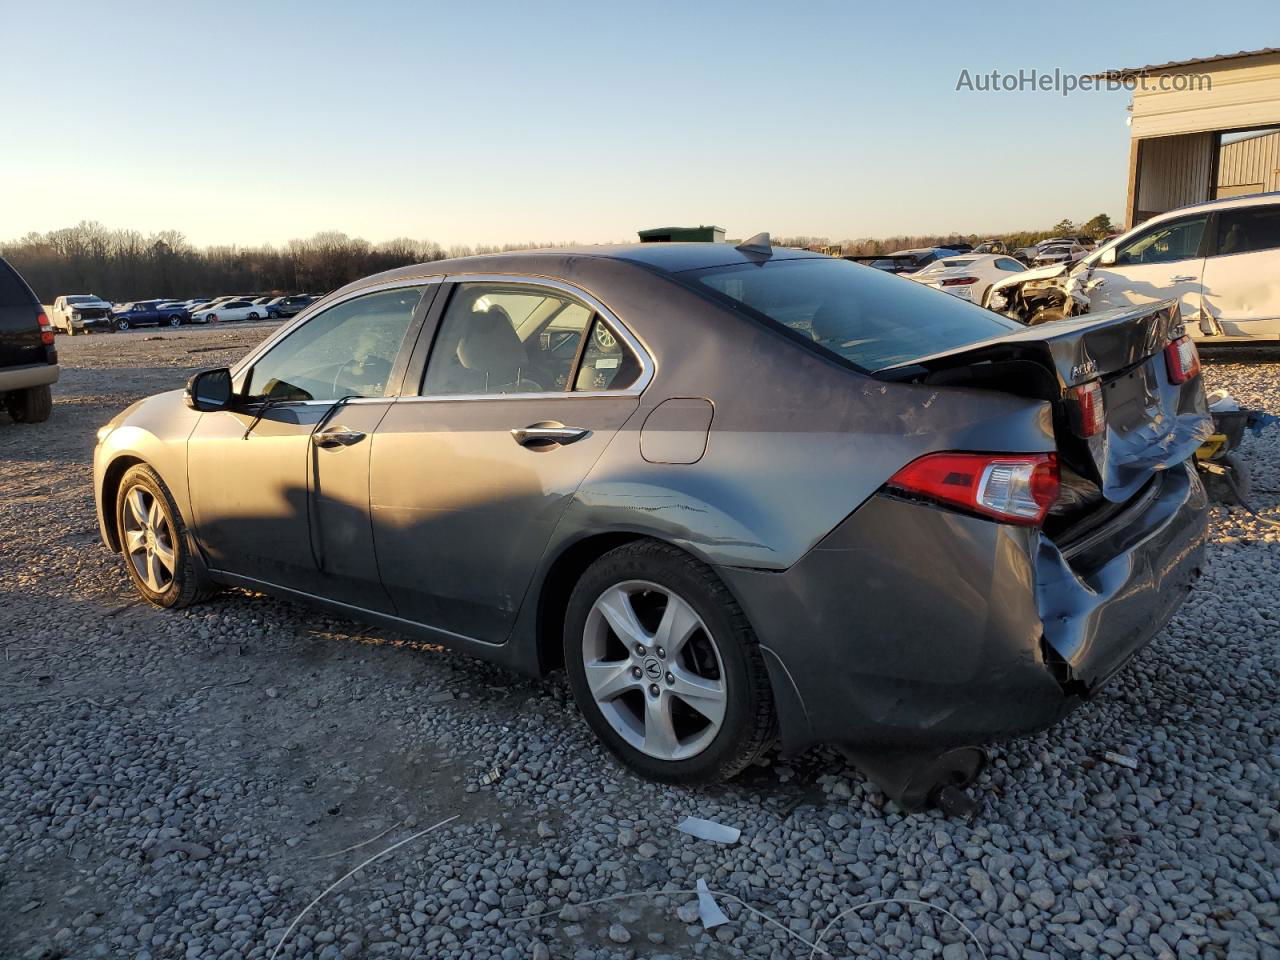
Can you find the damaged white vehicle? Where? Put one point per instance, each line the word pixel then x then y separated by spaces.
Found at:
pixel 1220 260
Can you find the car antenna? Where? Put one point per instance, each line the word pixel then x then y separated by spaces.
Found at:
pixel 760 243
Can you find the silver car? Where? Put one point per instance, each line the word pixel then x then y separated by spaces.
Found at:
pixel 738 493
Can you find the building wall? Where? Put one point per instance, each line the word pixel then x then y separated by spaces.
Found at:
pixel 1173 156
pixel 1249 166
pixel 1243 93
pixel 1173 172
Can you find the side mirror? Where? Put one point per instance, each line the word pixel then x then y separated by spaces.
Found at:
pixel 209 390
pixel 1108 258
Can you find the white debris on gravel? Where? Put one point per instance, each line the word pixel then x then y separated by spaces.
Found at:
pixel 156 801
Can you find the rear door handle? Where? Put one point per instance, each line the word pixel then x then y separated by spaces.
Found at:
pixel 1182 279
pixel 547 431
pixel 337 437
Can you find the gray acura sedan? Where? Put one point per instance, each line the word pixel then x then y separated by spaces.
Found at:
pixel 737 493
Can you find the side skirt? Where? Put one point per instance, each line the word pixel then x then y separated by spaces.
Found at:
pixel 507 654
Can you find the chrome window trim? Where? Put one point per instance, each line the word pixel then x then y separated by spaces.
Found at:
pixel 647 366
pixel 306 315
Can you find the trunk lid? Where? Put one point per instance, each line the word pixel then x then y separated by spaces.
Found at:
pixel 1151 423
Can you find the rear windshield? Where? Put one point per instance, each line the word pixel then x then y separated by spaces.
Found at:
pixel 13 292
pixel 864 316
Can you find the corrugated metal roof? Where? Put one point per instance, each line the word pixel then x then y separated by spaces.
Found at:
pixel 1122 72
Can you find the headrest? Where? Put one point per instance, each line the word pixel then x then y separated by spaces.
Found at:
pixel 491 345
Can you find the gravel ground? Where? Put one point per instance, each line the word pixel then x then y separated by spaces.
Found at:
pixel 185 784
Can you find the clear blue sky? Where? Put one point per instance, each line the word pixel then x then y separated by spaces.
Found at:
pixel 488 121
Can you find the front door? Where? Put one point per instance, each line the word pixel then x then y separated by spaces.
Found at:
pixel 1163 262
pixel 525 386
pixel 280 484
pixel 1242 274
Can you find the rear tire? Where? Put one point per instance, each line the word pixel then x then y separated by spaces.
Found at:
pixel 699 712
pixel 32 405
pixel 252 316
pixel 160 562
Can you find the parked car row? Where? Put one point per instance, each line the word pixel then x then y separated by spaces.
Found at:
pixel 82 313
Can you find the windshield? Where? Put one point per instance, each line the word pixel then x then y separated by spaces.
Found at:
pixel 866 317
pixel 82 299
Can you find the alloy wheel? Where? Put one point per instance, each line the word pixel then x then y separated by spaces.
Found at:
pixel 149 539
pixel 654 670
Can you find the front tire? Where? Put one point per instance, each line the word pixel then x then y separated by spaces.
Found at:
pixel 32 405
pixel 665 667
pixel 175 321
pixel 252 316
pixel 154 541
pixel 122 324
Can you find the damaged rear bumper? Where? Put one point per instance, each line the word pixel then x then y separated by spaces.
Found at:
pixel 915 627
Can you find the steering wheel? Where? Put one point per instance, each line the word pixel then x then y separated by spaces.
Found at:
pixel 342 368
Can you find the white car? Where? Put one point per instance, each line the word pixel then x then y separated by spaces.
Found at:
pixel 80 312
pixel 229 310
pixel 968 276
pixel 1058 252
pixel 1220 260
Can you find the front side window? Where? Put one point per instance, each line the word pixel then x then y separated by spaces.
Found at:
pixel 1006 264
pixel 509 339
pixel 1177 240
pixel 866 317
pixel 1248 230
pixel 346 351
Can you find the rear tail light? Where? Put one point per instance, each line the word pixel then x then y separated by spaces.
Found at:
pixel 1015 488
pixel 46 334
pixel 1089 412
pixel 958 281
pixel 1183 360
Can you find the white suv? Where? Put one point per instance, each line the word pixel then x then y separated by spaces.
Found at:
pixel 1220 260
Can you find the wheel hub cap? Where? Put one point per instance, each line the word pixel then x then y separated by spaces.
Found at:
pixel 148 539
pixel 654 670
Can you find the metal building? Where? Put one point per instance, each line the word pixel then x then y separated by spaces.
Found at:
pixel 1185 121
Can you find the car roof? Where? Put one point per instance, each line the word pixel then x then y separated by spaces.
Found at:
pixel 659 257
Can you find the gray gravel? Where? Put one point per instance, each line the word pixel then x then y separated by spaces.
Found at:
pixel 184 784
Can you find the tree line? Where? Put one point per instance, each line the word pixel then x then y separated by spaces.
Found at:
pixel 123 265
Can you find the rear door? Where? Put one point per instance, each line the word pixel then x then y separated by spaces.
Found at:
pixel 1242 274
pixel 1162 262
pixel 525 384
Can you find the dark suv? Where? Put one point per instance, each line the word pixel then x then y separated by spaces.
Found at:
pixel 28 360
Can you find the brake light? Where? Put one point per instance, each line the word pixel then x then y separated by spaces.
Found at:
pixel 1090 412
pixel 42 320
pixel 958 281
pixel 1183 360
pixel 1015 488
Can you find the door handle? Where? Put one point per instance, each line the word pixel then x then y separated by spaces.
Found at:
pixel 1183 279
pixel 337 437
pixel 547 431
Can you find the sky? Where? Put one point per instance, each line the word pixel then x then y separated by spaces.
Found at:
pixel 492 122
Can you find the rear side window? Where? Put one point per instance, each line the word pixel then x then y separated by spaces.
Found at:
pixel 864 316
pixel 13 291
pixel 1248 230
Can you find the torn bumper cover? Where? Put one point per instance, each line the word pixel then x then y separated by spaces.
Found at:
pixel 869 648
